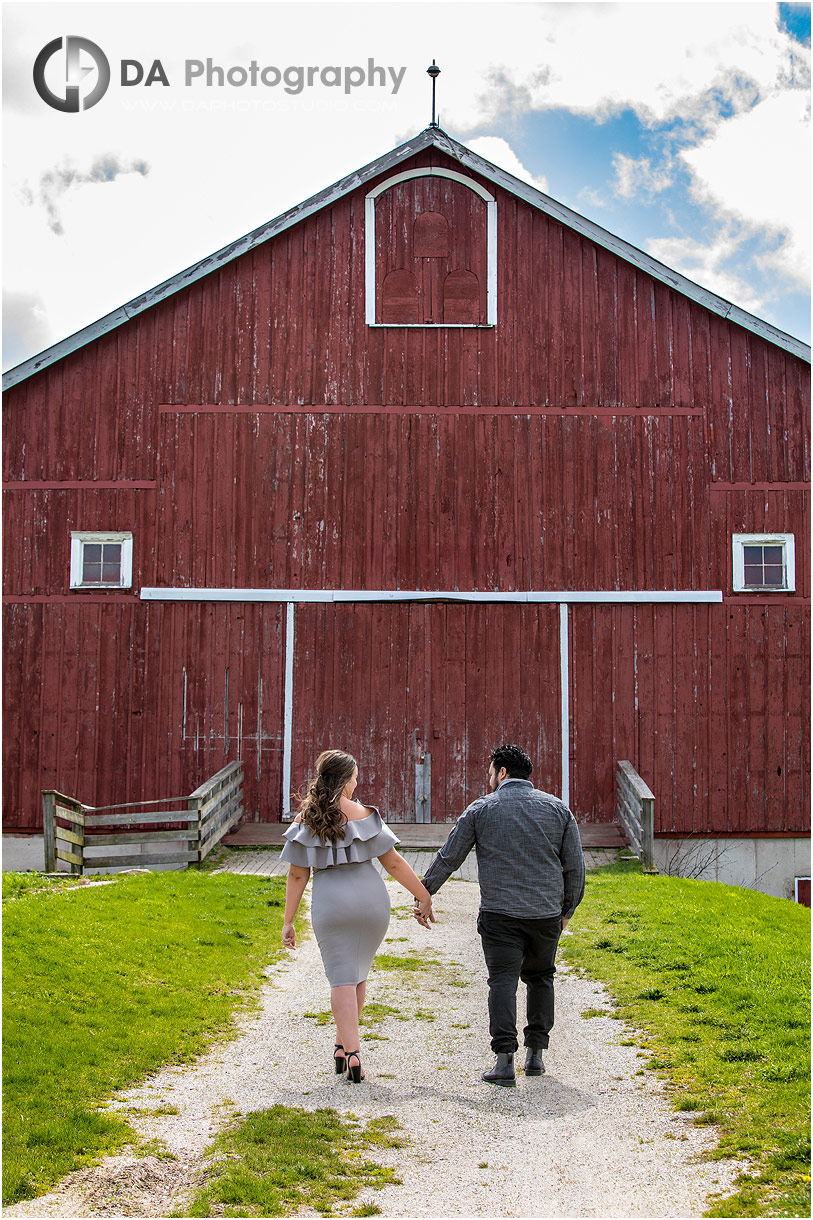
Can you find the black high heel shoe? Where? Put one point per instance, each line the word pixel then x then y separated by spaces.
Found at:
pixel 354 1069
pixel 339 1060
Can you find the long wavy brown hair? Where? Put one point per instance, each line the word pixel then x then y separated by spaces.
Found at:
pixel 319 806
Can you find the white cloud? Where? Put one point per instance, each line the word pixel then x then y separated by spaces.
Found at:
pixel 746 172
pixel 499 152
pixel 25 326
pixel 664 61
pixel 638 178
pixel 704 264
pixel 225 161
pixel 593 199
pixel 54 183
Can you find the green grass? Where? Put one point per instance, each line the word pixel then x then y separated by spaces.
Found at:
pixel 325 1017
pixel 19 885
pixel 272 1162
pixel 392 961
pixel 373 1014
pixel 104 985
pixel 717 978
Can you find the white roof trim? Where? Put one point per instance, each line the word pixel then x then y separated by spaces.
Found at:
pixel 431 137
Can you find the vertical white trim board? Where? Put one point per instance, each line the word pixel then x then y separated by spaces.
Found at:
pixel 564 682
pixel 288 722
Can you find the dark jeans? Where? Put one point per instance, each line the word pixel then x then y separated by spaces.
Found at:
pixel 517 949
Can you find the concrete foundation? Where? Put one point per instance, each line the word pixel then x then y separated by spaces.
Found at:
pixel 767 865
pixel 23 853
pixel 26 853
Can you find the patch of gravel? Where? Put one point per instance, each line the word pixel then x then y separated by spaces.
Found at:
pixel 121 1186
pixel 593 1137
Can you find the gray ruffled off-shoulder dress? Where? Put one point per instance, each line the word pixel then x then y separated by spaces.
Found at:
pixel 350 904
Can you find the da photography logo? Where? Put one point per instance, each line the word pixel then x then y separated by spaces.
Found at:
pixel 64 75
pixel 78 93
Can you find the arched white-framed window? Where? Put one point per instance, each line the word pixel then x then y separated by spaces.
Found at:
pixel 433 238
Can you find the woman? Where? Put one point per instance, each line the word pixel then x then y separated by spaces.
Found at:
pixel 338 838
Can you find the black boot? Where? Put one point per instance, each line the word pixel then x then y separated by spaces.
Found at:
pixel 533 1062
pixel 502 1072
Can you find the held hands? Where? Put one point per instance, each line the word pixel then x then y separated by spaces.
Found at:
pixel 288 936
pixel 423 912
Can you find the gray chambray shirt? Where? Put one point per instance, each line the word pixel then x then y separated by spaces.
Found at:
pixel 529 854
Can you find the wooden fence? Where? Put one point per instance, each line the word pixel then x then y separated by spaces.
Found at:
pixel 72 835
pixel 635 808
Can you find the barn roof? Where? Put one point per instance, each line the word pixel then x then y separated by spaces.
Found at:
pixel 431 137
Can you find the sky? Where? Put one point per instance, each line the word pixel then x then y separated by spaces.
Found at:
pixel 683 128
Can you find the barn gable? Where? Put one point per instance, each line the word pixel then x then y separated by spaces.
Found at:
pixel 430 138
pixel 427 461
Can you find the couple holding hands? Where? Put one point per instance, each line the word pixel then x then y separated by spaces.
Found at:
pixel 531 874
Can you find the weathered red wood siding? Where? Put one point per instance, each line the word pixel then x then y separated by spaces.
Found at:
pixel 116 701
pixel 398 249
pixel 710 701
pixel 393 681
pixel 257 433
pixel 346 500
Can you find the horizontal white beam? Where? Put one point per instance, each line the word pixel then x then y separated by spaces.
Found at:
pixel 593 597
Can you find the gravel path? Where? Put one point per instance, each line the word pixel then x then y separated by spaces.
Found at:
pixel 590 1138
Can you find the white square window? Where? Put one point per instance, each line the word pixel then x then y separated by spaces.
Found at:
pixel 764 563
pixel 101 561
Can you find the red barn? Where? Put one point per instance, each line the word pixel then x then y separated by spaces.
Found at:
pixel 426 463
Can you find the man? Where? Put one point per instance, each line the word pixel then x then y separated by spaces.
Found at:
pixel 531 870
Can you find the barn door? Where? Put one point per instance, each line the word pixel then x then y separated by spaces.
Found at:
pixel 358 686
pixel 420 693
pixel 217 673
pixel 491 675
